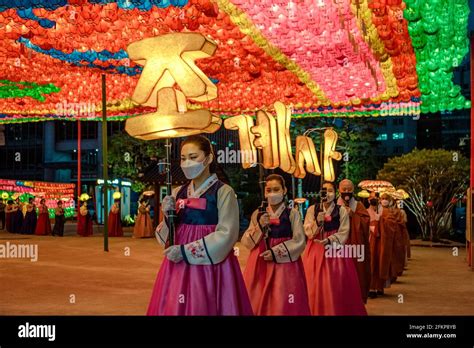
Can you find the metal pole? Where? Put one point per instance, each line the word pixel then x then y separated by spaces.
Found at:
pixel 105 172
pixel 261 173
pixel 169 180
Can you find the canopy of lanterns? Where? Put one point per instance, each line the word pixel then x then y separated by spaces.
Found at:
pixel 325 58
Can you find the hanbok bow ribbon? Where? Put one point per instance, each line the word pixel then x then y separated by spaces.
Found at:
pixel 193 203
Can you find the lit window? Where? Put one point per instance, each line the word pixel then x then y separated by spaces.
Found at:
pixel 382 136
pixel 396 136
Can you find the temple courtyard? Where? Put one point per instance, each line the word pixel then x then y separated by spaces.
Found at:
pixel 74 276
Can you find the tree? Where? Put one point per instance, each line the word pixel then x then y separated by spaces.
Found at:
pixel 128 157
pixel 358 145
pixel 434 179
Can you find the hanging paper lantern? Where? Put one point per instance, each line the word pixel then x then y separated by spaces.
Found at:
pixel 363 194
pixel 117 195
pixel 84 197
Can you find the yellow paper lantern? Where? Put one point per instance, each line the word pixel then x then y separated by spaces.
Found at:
pixel 330 153
pixel 169 60
pixel 117 195
pixel 266 139
pixel 287 162
pixel 242 124
pixel 306 153
pixel 84 197
pixel 172 119
pixel 363 194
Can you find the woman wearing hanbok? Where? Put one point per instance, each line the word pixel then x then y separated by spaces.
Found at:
pixel 84 221
pixel 59 220
pixel 17 216
pixel 333 285
pixel 115 220
pixel 9 215
pixel 43 226
pixel 143 226
pixel 200 274
pixel 29 222
pixel 274 274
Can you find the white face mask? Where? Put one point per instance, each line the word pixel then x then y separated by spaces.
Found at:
pixel 384 202
pixel 330 196
pixel 192 169
pixel 274 198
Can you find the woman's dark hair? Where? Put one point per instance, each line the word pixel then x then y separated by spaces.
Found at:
pixel 60 202
pixel 142 200
pixel 204 145
pixel 10 201
pixel 31 199
pixel 330 183
pixel 42 201
pixel 278 178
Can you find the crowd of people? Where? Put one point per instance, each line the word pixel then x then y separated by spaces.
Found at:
pixel 27 218
pixel 344 252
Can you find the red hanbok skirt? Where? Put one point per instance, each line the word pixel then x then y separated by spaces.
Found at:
pixel 43 225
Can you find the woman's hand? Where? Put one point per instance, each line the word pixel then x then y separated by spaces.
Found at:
pixel 264 220
pixel 320 218
pixel 169 203
pixel 267 255
pixel 323 242
pixel 173 253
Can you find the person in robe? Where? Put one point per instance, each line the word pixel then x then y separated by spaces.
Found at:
pixel 9 215
pixel 115 220
pixel 2 213
pixel 143 225
pixel 43 225
pixel 333 286
pixel 30 220
pixel 374 210
pixel 274 273
pixel 84 221
pixel 359 233
pixel 400 205
pixel 400 242
pixel 388 228
pixel 17 217
pixel 200 274
pixel 59 220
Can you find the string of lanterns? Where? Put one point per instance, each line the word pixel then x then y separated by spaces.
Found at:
pixel 339 58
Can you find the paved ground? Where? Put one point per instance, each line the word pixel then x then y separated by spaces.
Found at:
pixel 73 276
